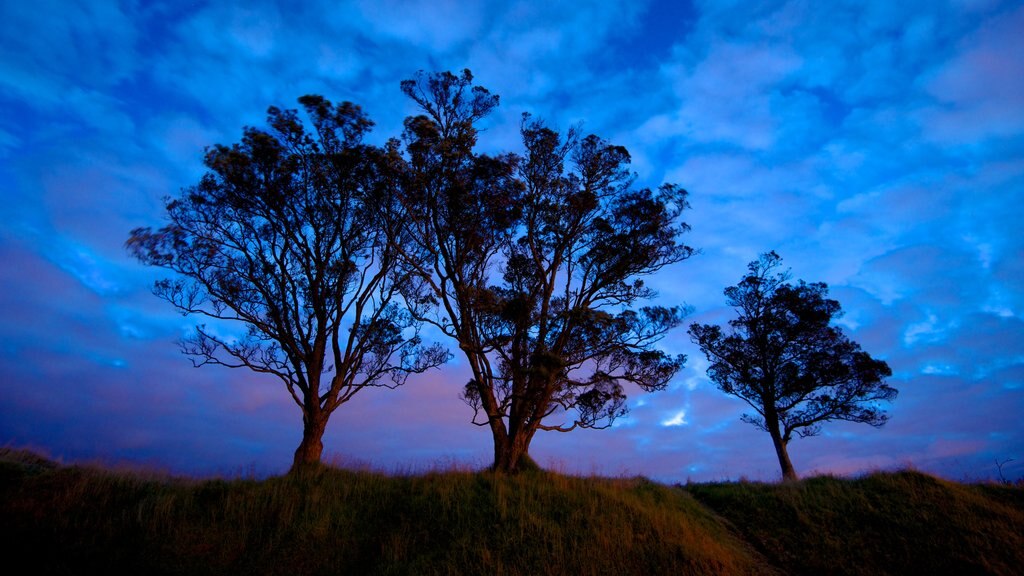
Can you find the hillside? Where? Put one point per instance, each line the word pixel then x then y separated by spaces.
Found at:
pixel 76 519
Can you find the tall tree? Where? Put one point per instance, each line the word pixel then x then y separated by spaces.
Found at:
pixel 785 358
pixel 533 265
pixel 292 234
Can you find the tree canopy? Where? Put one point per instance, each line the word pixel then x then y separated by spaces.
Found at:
pixel 292 234
pixel 785 358
pixel 332 253
pixel 534 265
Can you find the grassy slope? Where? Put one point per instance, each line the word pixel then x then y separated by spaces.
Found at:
pixel 76 519
pixel 902 523
pixel 79 519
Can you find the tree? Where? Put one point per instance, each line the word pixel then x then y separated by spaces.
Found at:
pixel 292 234
pixel 786 360
pixel 552 341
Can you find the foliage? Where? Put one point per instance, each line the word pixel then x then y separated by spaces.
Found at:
pixel 788 362
pixel 534 265
pixel 292 233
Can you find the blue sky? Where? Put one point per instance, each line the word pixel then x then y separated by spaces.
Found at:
pixel 877 146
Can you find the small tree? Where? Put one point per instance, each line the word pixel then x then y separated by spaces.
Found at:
pixel 786 360
pixel 292 233
pixel 534 264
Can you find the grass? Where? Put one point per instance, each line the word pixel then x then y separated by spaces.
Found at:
pixel 77 519
pixel 884 523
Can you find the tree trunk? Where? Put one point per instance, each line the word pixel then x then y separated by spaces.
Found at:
pixel 312 446
pixel 512 455
pixel 788 473
pixel 500 447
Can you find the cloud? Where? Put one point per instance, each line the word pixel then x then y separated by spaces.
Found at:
pixel 875 145
pixel 64 46
pixel 677 419
pixel 716 108
pixel 433 26
pixel 979 92
pixel 939 276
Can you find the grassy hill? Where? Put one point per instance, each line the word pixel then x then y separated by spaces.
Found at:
pixel 75 519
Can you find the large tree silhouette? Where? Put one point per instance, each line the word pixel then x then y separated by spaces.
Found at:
pixel 533 265
pixel 786 360
pixel 292 234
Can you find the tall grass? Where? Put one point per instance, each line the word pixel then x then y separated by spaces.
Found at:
pixel 883 523
pixel 77 520
pixel 331 521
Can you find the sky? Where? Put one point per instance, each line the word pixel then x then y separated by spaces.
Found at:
pixel 876 146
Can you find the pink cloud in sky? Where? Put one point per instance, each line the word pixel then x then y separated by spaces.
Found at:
pixel 979 93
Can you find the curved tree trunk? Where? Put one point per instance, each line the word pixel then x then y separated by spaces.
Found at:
pixel 788 472
pixel 500 447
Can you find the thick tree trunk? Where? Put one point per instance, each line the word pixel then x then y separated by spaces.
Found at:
pixel 312 446
pixel 788 473
pixel 512 455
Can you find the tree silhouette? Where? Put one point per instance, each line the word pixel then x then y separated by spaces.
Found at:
pixel 564 238
pixel 785 359
pixel 292 233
